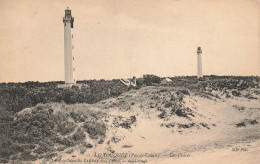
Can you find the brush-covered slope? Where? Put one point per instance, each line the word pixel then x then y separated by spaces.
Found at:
pixel 152 119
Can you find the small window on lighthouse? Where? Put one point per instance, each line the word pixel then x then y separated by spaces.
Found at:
pixel 72 36
pixel 73 57
pixel 73 47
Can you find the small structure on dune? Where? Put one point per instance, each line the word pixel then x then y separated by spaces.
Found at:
pixel 166 81
pixel 128 82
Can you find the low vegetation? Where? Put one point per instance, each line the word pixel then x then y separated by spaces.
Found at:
pixel 17 96
pixel 43 130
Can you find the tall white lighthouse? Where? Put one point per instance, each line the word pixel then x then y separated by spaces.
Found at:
pixel 68 47
pixel 199 63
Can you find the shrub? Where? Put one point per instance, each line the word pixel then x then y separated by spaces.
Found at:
pixel 79 136
pixel 186 125
pixel 43 148
pixel 87 145
pixel 181 113
pixel 133 119
pixel 95 129
pixel 61 148
pixel 26 156
pixel 228 95
pixel 150 79
pixel 236 93
pixel 185 91
pixel 162 115
pixel 168 104
pixel 101 141
pixel 68 141
pixel 179 96
pixel 253 122
pixel 241 124
pixel 126 125
pixel 66 128
pixel 205 125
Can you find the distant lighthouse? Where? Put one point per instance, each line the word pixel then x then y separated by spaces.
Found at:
pixel 199 63
pixel 68 47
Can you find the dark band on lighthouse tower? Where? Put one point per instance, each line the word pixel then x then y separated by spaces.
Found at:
pixel 68 21
pixel 199 63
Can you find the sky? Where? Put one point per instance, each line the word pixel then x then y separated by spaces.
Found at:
pixel 125 38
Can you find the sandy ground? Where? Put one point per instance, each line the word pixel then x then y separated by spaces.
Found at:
pixel 240 153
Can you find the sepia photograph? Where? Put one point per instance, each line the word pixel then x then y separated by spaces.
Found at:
pixel 130 81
